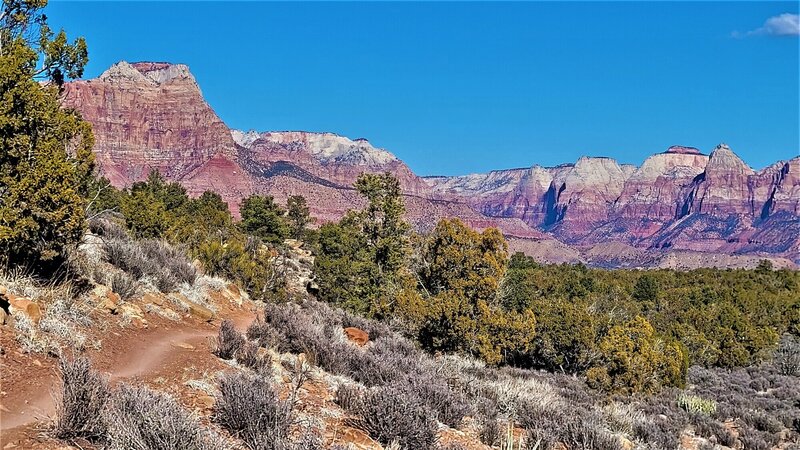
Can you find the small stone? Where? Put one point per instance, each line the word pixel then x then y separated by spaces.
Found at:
pixel 113 297
pixel 627 444
pixel 183 345
pixel 108 305
pixel 139 322
pixel 130 309
pixel 205 401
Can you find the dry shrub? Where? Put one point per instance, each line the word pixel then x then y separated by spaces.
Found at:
pixel 249 408
pixel 166 266
pixel 316 330
pixel 107 228
pixel 31 340
pixel 349 396
pixel 657 434
pixel 247 355
pixel 711 429
pixel 622 418
pixel 447 406
pixel 576 428
pixel 63 331
pixel 171 259
pixel 124 285
pixel 754 441
pixel 126 418
pixel 83 397
pixel 553 408
pixel 139 418
pixel 229 341
pixel 788 356
pixel 389 414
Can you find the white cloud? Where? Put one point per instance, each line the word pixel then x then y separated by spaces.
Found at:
pixel 782 25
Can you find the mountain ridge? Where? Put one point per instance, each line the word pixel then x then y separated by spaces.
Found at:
pixel 153 116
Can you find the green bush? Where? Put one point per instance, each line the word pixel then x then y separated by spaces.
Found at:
pixel 247 262
pixel 297 215
pixel 634 359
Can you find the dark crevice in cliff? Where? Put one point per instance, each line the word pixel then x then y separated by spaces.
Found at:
pixel 766 210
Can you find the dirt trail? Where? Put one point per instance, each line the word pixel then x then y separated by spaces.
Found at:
pixel 152 359
pixel 130 354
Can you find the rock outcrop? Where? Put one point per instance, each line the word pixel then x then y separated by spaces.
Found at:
pixel 324 156
pixel 582 197
pixel 722 189
pixel 152 116
pixel 655 189
pixel 149 116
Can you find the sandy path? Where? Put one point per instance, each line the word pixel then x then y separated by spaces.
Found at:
pixel 138 354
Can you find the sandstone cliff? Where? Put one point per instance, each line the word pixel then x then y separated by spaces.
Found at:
pixel 153 116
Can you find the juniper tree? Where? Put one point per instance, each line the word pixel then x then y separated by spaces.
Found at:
pixel 362 258
pixel 298 216
pixel 45 151
pixel 264 218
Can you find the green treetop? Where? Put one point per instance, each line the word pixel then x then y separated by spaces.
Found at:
pixel 262 217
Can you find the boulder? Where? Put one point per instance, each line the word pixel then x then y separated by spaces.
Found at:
pixel 24 306
pixel 201 312
pixel 155 299
pixel 357 336
pixel 111 302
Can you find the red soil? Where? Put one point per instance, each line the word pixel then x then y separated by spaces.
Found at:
pixel 164 355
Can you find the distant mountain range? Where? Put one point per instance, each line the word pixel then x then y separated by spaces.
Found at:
pixel 680 208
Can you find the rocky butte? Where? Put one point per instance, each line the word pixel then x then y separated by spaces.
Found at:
pixel 678 202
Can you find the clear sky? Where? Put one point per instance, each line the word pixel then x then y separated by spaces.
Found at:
pixel 454 88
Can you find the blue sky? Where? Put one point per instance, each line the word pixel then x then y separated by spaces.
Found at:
pixel 455 88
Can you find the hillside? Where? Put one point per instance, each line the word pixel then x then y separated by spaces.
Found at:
pixel 195 368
